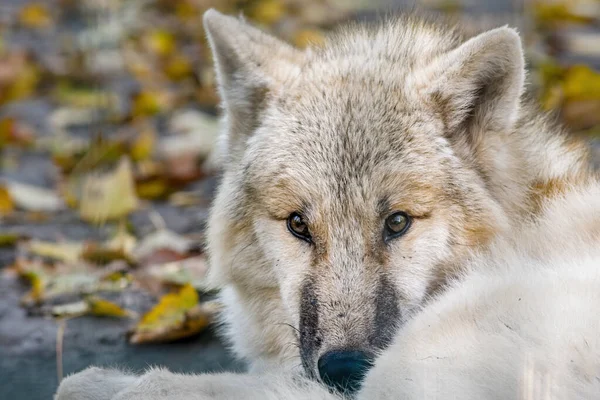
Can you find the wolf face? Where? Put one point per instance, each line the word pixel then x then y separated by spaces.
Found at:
pixel 353 183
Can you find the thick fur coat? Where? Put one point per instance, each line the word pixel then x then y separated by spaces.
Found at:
pixel 493 290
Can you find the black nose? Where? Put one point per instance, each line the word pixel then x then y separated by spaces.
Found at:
pixel 344 370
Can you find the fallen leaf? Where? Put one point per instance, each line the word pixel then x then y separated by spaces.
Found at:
pixel 75 309
pixel 195 133
pixel 153 188
pixel 191 270
pixel 68 278
pixel 104 308
pixel 101 255
pixel 92 305
pixel 35 15
pixel 108 196
pixel 69 252
pixel 267 11
pixel 84 97
pixel 143 145
pixel 162 239
pixel 556 12
pixel 23 84
pixel 8 239
pixel 6 202
pixel 581 83
pixel 15 133
pixel 176 316
pixel 34 198
pixel 160 42
pixel 178 67
pixel 149 102
pixel 66 117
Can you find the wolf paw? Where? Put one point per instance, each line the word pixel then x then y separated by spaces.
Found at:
pixel 93 384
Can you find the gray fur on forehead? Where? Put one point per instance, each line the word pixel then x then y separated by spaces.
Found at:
pixel 405 40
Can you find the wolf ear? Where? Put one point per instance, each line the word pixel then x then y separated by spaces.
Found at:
pixel 249 65
pixel 478 85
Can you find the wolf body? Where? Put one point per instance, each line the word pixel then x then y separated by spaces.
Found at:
pixel 490 291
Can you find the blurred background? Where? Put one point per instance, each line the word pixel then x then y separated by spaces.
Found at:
pixel 107 125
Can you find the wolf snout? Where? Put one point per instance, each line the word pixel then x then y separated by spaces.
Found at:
pixel 344 370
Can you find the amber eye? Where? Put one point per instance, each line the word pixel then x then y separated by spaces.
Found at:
pixel 298 227
pixel 396 225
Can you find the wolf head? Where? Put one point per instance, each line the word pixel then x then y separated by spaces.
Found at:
pixel 357 178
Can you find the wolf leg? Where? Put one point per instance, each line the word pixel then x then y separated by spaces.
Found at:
pixel 160 384
pixel 94 384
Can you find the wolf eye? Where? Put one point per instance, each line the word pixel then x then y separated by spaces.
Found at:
pixel 396 225
pixel 298 228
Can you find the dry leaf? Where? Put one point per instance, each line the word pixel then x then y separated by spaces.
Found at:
pixel 75 309
pixel 178 67
pixel 8 239
pixel 33 198
pixel 267 11
pixel 69 252
pixel 109 196
pixel 74 278
pixel 176 316
pixel 150 102
pixel 160 42
pixel 6 202
pixel 195 134
pixel 143 145
pixel 187 271
pixel 35 15
pixel 23 82
pixel 155 188
pixel 92 305
pixel 104 308
pixel 161 240
pixel 581 83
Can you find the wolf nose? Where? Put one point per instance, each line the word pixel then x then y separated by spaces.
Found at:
pixel 344 370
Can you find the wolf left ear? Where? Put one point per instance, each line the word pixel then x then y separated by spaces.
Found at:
pixel 249 65
pixel 479 84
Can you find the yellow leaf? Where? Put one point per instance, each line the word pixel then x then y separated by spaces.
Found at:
pixel 109 196
pixel 152 189
pixel 178 67
pixel 103 255
pixel 177 315
pixel 38 284
pixel 84 97
pixel 186 10
pixel 143 146
pixel 160 42
pixel 581 83
pixel 23 85
pixel 35 15
pixel 66 251
pixel 105 308
pixel 267 11
pixel 8 239
pixel 556 12
pixel 6 202
pixel 147 103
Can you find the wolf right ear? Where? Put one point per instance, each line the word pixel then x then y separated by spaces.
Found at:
pixel 249 65
pixel 479 83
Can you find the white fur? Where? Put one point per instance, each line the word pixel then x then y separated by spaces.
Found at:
pixel 520 316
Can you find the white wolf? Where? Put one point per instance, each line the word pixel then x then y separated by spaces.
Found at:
pixel 394 222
